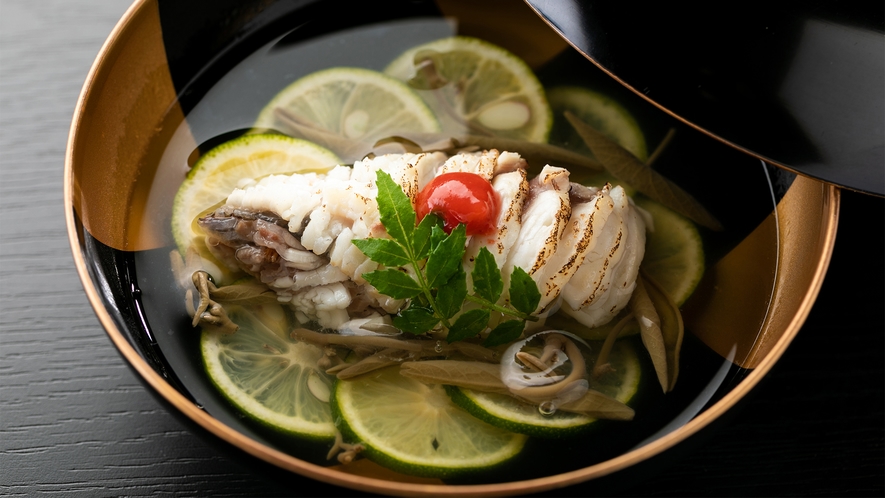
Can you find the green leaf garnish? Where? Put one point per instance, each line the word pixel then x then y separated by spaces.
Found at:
pixel 422 235
pixel 450 296
pixel 468 325
pixel 524 294
pixel 384 251
pixel 397 214
pixel 425 265
pixel 505 332
pixel 415 320
pixel 445 258
pixel 437 235
pixel 394 283
pixel 487 281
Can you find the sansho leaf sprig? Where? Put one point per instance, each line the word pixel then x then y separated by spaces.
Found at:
pixel 424 265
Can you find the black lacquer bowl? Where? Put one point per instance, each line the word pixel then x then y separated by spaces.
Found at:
pixel 169 84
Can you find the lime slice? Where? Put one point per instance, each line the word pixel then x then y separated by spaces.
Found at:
pixel 270 377
pixel 513 415
pixel 357 104
pixel 597 110
pixel 223 168
pixel 415 428
pixel 474 86
pixel 674 253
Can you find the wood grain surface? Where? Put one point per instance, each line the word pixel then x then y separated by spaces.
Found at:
pixel 74 421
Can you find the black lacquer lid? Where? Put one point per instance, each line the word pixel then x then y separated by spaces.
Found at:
pixel 800 84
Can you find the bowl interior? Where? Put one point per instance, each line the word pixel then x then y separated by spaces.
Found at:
pixel 166 89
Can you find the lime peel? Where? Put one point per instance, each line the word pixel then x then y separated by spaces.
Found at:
pixel 479 73
pixel 356 103
pixel 674 254
pixel 415 428
pixel 268 376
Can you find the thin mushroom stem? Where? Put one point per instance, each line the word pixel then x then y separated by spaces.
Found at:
pixel 552 346
pixel 202 285
pixel 531 361
pixel 389 356
pixel 579 369
pixel 208 312
pixel 381 359
pixel 189 302
pixel 661 146
pixel 346 452
pixel 602 365
pixel 337 368
pixel 321 339
pixel 329 359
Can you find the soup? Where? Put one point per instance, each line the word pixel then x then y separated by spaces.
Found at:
pixel 229 109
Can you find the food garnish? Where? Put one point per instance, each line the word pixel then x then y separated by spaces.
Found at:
pixel 620 383
pixel 415 427
pixel 436 282
pixel 273 379
pixel 460 198
pixel 423 301
pixel 358 105
pixel 476 87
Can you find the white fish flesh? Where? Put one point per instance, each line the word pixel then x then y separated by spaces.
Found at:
pixel 581 245
pixel 603 284
pixel 294 233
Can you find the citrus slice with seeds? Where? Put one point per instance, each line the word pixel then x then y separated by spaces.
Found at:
pixel 514 415
pixel 354 103
pixel 415 428
pixel 476 87
pixel 270 377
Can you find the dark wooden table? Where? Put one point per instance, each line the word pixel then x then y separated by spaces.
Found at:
pixel 74 420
